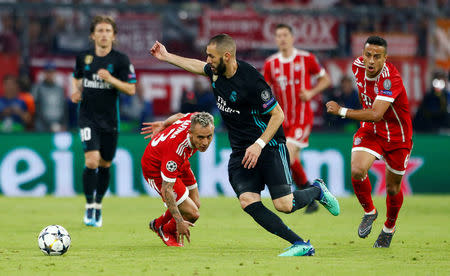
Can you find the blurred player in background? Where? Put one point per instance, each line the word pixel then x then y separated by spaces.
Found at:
pixel 100 75
pixel 385 133
pixel 166 167
pixel 289 73
pixel 259 156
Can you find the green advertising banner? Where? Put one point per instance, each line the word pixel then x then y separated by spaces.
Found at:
pixel 52 164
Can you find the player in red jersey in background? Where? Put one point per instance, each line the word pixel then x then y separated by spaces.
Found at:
pixel 385 133
pixel 289 73
pixel 165 165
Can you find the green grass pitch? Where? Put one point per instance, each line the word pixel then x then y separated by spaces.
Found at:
pixel 225 240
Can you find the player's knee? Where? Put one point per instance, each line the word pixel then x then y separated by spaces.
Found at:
pixel 392 190
pixel 193 216
pixel 358 173
pixel 284 206
pixel 92 163
pixel 197 203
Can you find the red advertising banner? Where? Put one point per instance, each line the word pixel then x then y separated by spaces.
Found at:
pixel 9 64
pixel 165 87
pixel 399 44
pixel 253 30
pixel 136 35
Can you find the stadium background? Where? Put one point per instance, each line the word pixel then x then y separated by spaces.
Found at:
pixel 38 33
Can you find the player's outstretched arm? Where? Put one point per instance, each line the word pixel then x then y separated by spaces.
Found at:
pixel 195 66
pixel 373 114
pixel 169 199
pixel 252 153
pixel 153 128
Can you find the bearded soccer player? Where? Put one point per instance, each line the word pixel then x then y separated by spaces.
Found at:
pixel 259 157
pixel 165 165
pixel 100 75
pixel 385 133
pixel 290 72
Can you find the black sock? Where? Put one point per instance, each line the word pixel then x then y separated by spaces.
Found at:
pixel 89 183
pixel 102 183
pixel 271 222
pixel 304 197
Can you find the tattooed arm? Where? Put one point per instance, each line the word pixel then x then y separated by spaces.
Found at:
pixel 170 200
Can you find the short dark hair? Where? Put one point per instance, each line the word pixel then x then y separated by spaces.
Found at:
pixel 103 19
pixel 376 40
pixel 224 43
pixel 284 26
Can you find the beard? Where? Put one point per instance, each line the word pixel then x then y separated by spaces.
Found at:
pixel 221 68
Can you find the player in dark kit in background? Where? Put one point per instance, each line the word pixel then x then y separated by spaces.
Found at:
pixel 253 119
pixel 100 74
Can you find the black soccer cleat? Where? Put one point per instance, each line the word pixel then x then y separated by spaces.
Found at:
pixel 312 207
pixel 366 224
pixel 384 240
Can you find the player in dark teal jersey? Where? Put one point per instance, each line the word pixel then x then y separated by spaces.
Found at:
pixel 100 75
pixel 259 156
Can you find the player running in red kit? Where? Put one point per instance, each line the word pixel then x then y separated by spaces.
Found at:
pixel 385 133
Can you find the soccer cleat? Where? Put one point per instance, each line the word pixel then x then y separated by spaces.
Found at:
pixel 88 218
pixel 168 239
pixel 326 198
pixel 312 207
pixel 98 220
pixel 152 226
pixel 384 240
pixel 366 224
pixel 299 248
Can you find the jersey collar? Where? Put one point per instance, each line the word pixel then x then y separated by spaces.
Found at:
pixel 376 77
pixel 288 59
pixel 189 141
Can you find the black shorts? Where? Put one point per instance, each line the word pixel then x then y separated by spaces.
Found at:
pixel 272 169
pixel 96 139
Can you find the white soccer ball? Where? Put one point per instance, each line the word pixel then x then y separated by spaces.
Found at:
pixel 54 240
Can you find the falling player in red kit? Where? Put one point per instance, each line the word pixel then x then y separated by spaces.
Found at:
pixel 289 73
pixel 385 133
pixel 165 165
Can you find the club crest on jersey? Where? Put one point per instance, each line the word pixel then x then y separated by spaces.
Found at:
pixel 387 84
pixel 110 68
pixel 171 166
pixel 88 59
pixel 357 141
pixel 297 67
pixel 233 96
pixel 265 95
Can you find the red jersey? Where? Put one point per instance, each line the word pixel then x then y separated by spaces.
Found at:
pixel 388 86
pixel 168 152
pixel 288 76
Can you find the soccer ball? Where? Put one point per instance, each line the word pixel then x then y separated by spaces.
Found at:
pixel 54 240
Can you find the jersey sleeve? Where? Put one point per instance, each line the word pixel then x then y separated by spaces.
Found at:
pixel 389 89
pixel 171 165
pixel 260 95
pixel 208 71
pixel 267 73
pixel 79 64
pixel 315 68
pixel 126 71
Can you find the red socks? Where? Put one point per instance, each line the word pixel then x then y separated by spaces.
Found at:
pixel 163 219
pixel 170 227
pixel 298 174
pixel 363 191
pixel 393 204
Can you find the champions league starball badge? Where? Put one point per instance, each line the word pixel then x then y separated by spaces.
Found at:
pixel 387 84
pixel 171 166
pixel 265 95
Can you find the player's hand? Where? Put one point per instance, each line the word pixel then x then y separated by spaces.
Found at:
pixel 306 95
pixel 159 51
pixel 333 107
pixel 104 75
pixel 152 128
pixel 76 97
pixel 183 231
pixel 251 156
